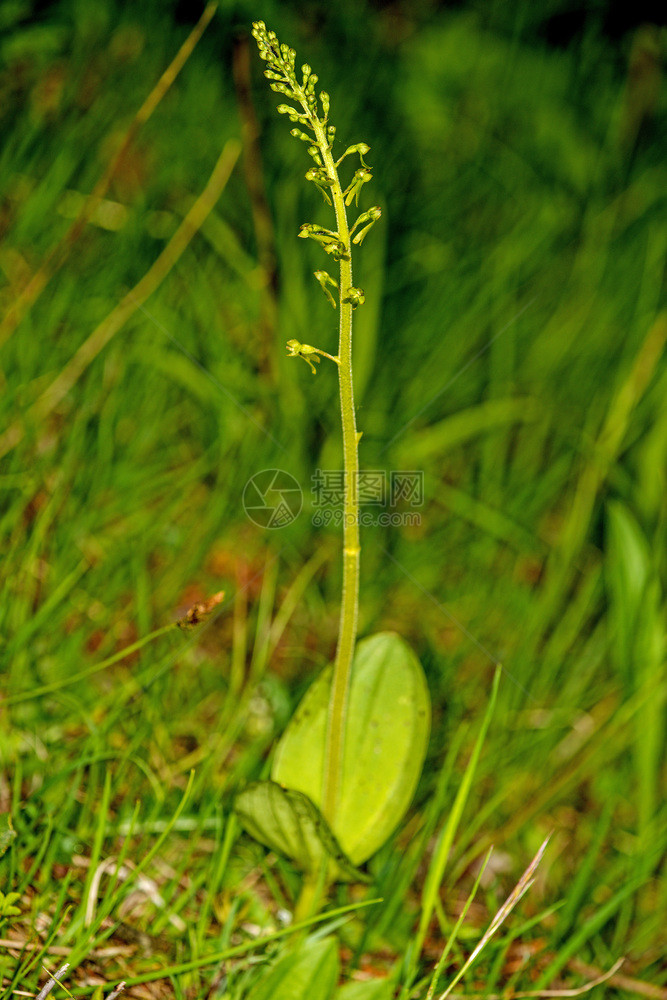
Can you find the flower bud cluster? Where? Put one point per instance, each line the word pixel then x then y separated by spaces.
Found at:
pixel 280 63
pixel 279 58
pixel 280 71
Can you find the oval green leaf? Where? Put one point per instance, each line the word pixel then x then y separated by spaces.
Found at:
pixel 287 821
pixel 388 725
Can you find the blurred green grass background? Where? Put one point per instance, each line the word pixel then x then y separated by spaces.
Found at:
pixel 511 347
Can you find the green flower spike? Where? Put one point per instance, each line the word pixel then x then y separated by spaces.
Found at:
pixel 324 280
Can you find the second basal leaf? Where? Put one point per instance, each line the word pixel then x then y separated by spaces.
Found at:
pixel 286 821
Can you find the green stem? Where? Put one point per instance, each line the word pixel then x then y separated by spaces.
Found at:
pixel 334 749
pixel 347 633
pixel 310 897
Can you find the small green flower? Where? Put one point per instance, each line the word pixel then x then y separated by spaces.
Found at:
pixel 305 351
pixel 322 180
pixel 361 177
pixel 366 220
pixel 360 147
pixel 355 296
pixel 328 240
pixel 325 279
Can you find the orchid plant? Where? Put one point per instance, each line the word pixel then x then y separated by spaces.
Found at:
pixel 345 770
